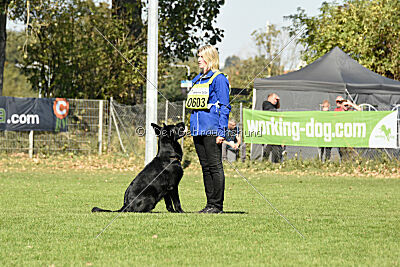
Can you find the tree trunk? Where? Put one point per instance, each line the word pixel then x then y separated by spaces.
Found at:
pixel 3 39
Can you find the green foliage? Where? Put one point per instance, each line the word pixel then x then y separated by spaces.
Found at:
pixel 267 41
pixel 242 74
pixel 231 61
pixel 368 30
pixel 15 82
pixel 15 40
pixel 181 21
pixel 65 56
pixel 171 76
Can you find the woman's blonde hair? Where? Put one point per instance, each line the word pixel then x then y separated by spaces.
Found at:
pixel 210 55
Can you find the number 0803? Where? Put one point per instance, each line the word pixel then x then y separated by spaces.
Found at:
pixel 196 102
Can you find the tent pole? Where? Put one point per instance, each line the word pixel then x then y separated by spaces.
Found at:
pixel 348 93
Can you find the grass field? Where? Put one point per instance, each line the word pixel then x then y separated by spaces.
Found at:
pixel 46 219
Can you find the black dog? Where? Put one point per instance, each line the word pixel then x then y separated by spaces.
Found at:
pixel 160 178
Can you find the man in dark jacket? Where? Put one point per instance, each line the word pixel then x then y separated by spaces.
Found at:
pixel 272 104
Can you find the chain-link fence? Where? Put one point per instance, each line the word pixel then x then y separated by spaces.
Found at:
pixel 97 126
pixel 129 123
pixel 94 126
pixel 87 121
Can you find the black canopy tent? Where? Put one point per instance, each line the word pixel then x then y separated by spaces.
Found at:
pixel 333 74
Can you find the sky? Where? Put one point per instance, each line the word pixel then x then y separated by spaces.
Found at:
pixel 239 18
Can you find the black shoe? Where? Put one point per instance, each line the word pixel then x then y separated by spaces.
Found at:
pixel 213 210
pixel 204 210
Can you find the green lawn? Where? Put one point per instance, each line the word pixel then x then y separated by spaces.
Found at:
pixel 46 219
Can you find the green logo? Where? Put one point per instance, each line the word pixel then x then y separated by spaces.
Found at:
pixel 60 124
pixel 386 131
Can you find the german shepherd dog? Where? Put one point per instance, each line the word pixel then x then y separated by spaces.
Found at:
pixel 160 178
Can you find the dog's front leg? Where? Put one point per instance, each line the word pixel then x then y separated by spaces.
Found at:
pixel 168 202
pixel 175 199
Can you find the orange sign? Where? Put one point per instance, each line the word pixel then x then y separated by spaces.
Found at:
pixel 61 108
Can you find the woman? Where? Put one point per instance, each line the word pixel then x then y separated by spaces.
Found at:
pixel 209 101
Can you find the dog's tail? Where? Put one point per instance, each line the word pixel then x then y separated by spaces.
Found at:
pixel 96 209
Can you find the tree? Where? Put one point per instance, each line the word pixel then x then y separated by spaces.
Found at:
pixel 265 63
pixel 65 56
pixel 17 10
pixel 242 74
pixel 15 82
pixel 180 22
pixel 274 44
pixel 231 61
pixel 187 24
pixel 171 76
pixel 3 39
pixel 368 30
pixel 267 41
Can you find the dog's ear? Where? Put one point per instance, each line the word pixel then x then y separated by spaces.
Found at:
pixel 157 129
pixel 181 129
pixel 180 125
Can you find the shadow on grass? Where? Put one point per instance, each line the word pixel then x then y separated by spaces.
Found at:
pixel 196 212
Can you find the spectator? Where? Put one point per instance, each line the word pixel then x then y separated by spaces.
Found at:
pixel 346 105
pixel 350 106
pixel 230 146
pixel 325 106
pixel 339 102
pixel 272 104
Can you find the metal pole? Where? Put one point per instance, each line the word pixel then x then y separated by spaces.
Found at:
pixel 166 112
pixel 183 116
pixel 152 69
pixel 100 138
pixel 30 144
pixel 109 125
pixel 116 128
pixel 243 146
pixel 253 107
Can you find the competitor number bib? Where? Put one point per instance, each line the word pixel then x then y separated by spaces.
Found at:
pixel 197 97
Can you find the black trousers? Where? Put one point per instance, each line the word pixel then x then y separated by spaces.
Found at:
pixel 275 151
pixel 210 156
pixel 326 151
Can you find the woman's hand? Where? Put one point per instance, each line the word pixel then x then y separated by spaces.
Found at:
pixel 219 140
pixel 235 146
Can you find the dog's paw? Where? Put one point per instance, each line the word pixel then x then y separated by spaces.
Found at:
pixel 170 210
